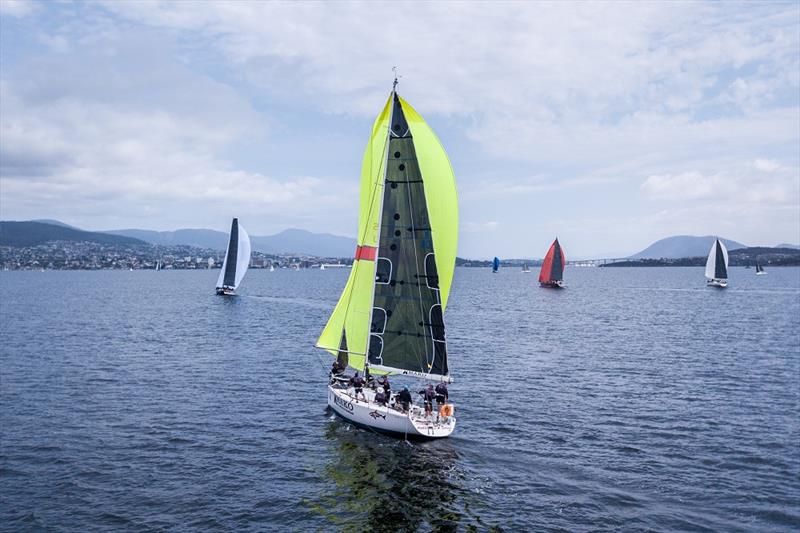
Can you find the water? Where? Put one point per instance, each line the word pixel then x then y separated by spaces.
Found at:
pixel 634 399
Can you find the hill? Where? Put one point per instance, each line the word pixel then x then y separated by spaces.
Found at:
pixel 683 246
pixel 19 234
pixel 288 241
pixel 738 257
pixel 202 238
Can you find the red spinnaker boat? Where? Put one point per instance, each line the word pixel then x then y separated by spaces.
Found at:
pixel 552 273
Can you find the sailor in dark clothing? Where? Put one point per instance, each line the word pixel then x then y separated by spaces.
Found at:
pixel 357 383
pixel 337 368
pixel 403 399
pixel 381 398
pixel 383 381
pixel 337 372
pixel 428 394
pixel 441 393
pixel 370 381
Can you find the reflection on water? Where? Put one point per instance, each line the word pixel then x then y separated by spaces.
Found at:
pixel 384 484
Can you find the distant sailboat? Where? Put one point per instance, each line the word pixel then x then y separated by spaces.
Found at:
pixel 717 265
pixel 389 319
pixel 158 265
pixel 495 265
pixel 272 268
pixel 525 268
pixel 552 273
pixel 237 259
pixel 322 267
pixel 759 269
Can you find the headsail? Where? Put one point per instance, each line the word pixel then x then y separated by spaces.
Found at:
pixel 391 310
pixel 237 257
pixel 553 264
pixel 717 264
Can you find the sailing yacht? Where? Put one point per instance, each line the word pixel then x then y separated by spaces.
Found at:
pixel 237 259
pixel 525 268
pixel 759 269
pixel 717 265
pixel 389 319
pixel 495 265
pixel 552 273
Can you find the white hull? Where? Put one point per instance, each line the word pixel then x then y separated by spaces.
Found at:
pixel 386 419
pixel 761 273
pixel 226 291
pixel 721 283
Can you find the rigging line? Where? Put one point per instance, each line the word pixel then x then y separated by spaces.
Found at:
pixel 377 184
pixel 416 258
pixel 385 166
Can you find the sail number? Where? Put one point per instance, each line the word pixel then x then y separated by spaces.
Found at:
pixel 343 404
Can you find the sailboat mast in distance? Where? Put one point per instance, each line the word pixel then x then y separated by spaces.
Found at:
pixel 389 318
pixel 552 272
pixel 237 260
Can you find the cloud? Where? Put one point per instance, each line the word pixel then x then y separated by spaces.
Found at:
pixel 480 227
pixel 768 186
pixel 120 127
pixel 122 106
pixel 17 8
pixel 684 186
pixel 765 165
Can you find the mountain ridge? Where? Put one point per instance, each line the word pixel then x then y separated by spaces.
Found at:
pixel 289 241
pixel 679 246
pixel 30 233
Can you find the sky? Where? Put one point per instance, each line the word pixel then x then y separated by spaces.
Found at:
pixel 608 125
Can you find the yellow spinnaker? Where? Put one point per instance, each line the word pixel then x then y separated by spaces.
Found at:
pixel 353 312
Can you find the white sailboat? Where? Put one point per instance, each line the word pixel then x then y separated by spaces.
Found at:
pixel 717 265
pixel 759 269
pixel 237 259
pixel 272 268
pixel 389 319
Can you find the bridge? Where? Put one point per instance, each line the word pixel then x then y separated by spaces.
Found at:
pixel 595 262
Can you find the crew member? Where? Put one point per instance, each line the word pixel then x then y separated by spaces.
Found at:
pixel 428 394
pixel 381 398
pixel 383 381
pixel 403 399
pixel 441 393
pixel 357 382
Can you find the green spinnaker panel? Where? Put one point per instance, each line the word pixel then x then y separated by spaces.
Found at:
pixel 352 313
pixel 440 195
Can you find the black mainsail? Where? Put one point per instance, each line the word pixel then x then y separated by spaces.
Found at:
pixel 407 331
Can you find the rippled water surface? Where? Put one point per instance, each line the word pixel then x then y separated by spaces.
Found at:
pixel 634 399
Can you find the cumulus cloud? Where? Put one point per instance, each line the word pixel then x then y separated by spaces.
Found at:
pixel 150 102
pixel 765 187
pixel 17 8
pixel 120 127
